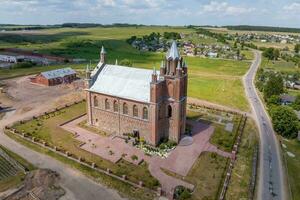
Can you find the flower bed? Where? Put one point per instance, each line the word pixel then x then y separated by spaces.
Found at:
pixel 162 150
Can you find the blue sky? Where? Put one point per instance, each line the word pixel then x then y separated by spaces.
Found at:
pixel 171 12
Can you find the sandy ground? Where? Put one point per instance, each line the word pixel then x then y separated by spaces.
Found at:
pixel 21 93
pixel 28 100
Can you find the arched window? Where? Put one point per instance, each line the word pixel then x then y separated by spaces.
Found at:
pixel 169 111
pixel 145 113
pixel 135 111
pixel 125 109
pixel 107 106
pixel 96 104
pixel 116 106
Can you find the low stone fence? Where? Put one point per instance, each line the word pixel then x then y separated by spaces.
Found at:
pixel 216 109
pixel 233 157
pixel 81 161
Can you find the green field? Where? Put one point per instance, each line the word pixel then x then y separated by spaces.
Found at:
pixel 208 182
pixel 279 66
pixel 214 80
pixel 293 166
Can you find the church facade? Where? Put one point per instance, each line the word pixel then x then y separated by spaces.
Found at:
pixel 149 103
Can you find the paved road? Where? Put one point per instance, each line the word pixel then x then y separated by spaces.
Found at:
pixel 77 186
pixel 271 182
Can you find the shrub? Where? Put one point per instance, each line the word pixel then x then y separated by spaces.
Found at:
pixel 285 121
pixel 134 157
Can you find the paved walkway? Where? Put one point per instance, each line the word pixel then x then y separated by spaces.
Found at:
pixel 179 161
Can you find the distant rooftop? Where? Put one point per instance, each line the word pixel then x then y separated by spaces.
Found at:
pixel 58 73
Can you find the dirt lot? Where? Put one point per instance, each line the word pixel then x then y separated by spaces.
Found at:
pixel 23 95
pixel 40 184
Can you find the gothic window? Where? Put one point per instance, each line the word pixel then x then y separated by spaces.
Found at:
pixel 116 106
pixel 169 111
pixel 135 111
pixel 125 109
pixel 107 106
pixel 96 104
pixel 145 113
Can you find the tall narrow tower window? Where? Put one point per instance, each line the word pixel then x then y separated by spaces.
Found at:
pixel 96 103
pixel 169 111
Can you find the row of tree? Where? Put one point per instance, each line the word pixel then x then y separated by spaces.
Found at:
pixel 284 119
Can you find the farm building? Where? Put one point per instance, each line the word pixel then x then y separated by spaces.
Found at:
pixel 55 77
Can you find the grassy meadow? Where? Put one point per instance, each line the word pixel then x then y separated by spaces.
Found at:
pixel 291 152
pixel 279 65
pixel 214 80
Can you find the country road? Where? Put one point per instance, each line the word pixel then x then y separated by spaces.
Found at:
pixel 271 175
pixel 76 185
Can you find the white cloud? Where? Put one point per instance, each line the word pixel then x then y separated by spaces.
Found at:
pixel 223 8
pixel 292 7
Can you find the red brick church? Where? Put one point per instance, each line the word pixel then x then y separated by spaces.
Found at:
pixel 149 103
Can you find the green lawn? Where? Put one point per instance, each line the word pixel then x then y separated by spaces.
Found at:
pixel 239 183
pixel 293 166
pixel 215 80
pixel 279 65
pixel 46 128
pixel 207 175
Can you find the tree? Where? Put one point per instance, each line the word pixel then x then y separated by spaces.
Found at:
pixel 285 121
pixel 296 104
pixel 235 45
pixel 274 100
pixel 273 86
pixel 276 54
pixel 271 53
pixel 297 48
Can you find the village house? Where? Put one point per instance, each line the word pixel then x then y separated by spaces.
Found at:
pixel 55 77
pixel 149 103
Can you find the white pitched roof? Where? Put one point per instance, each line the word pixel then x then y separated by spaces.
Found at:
pixel 126 82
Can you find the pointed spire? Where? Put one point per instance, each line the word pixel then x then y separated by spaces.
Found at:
pixel 103 50
pixel 154 70
pixel 87 68
pixel 173 52
pixel 116 62
pixel 162 65
pixel 178 65
pixel 184 64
